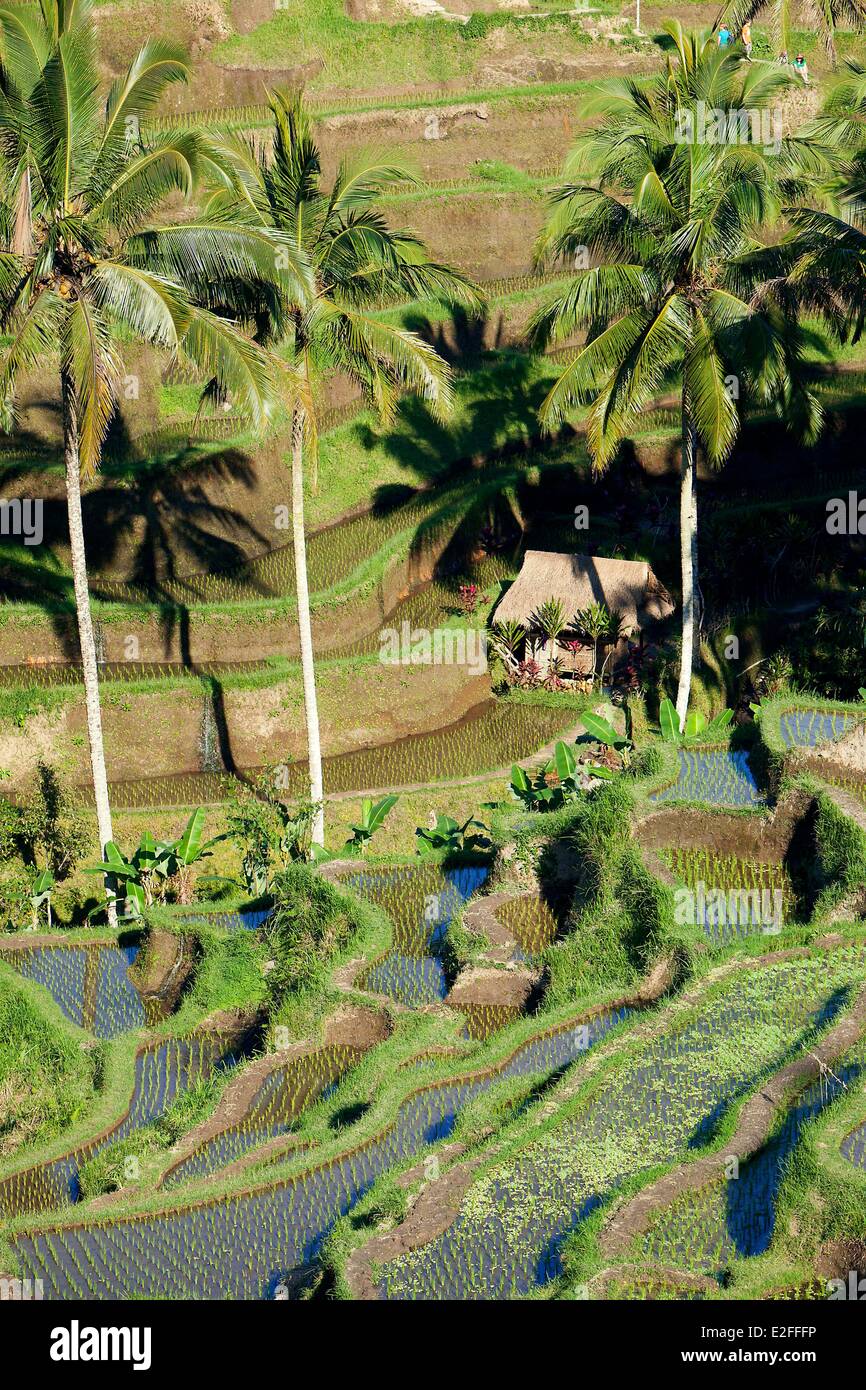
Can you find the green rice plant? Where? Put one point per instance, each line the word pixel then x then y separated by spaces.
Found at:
pixel 531 920
pixel 483 1020
pixel 272 1112
pixel 486 740
pixel 725 871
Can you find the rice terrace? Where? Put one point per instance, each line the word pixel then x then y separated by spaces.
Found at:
pixel 433 665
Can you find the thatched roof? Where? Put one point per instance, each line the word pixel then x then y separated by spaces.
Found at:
pixel 628 586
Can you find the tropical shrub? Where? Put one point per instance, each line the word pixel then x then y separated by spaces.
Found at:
pixel 696 725
pixel 373 814
pixel 269 833
pixel 143 879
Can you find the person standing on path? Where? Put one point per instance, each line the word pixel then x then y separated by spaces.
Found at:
pixel 746 36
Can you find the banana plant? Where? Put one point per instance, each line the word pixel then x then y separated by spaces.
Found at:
pixel 448 836
pixel 373 814
pixel 696 724
pixel 603 732
pixel 141 879
pixel 566 771
pixel 40 892
pixel 535 793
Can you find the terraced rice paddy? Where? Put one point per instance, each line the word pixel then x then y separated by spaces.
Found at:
pixel 91 984
pixel 249 919
pixel 244 1246
pixel 163 1071
pixel 720 778
pixel 703 1232
pixel 805 728
pixel 507 1238
pixel 756 894
pixel 338 550
pixel 54 673
pixel 531 921
pixel 420 900
pixel 490 737
pixel 273 1110
pixel 483 1020
pixel 854 1146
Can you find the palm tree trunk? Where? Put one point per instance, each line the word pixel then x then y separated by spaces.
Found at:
pixel 311 708
pixel 688 552
pixel 85 627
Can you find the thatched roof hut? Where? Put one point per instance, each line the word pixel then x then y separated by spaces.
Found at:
pixel 627 586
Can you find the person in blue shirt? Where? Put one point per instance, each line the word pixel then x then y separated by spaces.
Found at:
pixel 724 36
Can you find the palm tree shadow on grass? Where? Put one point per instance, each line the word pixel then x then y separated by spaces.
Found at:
pixel 154 518
pixel 469 470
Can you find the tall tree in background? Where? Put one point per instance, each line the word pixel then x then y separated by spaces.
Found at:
pixel 679 222
pixel 85 268
pixel 358 263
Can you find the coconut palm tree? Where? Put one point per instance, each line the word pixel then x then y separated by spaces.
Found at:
pixel 358 263
pixel 827 253
pixel 86 265
pixel 673 214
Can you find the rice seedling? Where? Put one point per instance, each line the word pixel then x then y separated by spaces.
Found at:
pixel 506 1239
pixel 720 778
pixel 245 1245
pixel 748 886
pixel 411 980
pixel 532 921
pixel 420 901
pixel 275 1107
pixel 247 919
pixel 706 1231
pixel 483 1020
pixel 337 550
pixel 163 1071
pixel 804 728
pixel 91 984
pixel 493 736
pixel 54 673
